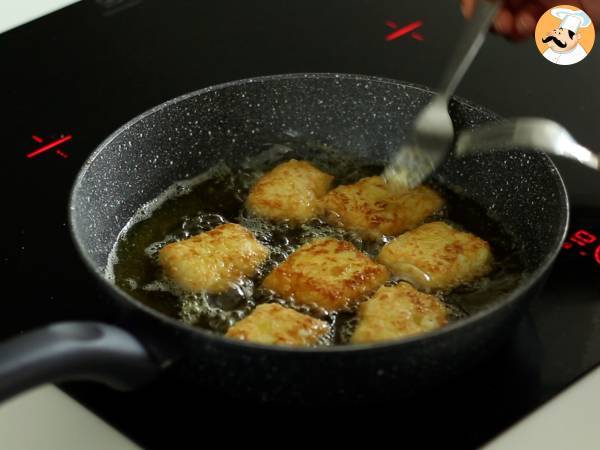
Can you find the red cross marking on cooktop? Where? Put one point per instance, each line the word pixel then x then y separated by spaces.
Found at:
pixel 399 32
pixel 49 146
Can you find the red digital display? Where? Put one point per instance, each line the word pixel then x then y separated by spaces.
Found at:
pixel 587 243
pixel 399 32
pixel 52 145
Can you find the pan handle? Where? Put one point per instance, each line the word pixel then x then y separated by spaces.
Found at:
pixel 74 351
pixel 525 133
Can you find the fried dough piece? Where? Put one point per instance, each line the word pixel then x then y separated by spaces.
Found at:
pixel 291 191
pixel 273 324
pixel 211 261
pixel 398 311
pixel 370 208
pixel 445 257
pixel 326 272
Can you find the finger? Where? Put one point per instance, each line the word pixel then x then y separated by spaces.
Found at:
pixel 526 19
pixel 592 8
pixel 503 24
pixel 468 8
pixel 525 24
pixel 517 5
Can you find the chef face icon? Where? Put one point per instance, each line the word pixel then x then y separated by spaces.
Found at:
pixel 561 40
pixel 562 35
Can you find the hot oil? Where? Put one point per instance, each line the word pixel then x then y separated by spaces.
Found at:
pixel 217 197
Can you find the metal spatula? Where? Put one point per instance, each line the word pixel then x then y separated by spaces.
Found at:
pixel 433 131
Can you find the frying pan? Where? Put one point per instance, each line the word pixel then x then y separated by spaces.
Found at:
pixel 368 117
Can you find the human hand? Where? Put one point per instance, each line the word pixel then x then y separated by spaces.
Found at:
pixel 517 18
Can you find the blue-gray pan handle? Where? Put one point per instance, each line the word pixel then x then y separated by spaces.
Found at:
pixel 74 351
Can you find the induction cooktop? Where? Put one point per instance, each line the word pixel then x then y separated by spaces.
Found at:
pixel 72 77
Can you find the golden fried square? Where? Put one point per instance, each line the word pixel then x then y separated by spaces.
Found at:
pixel 213 260
pixel 370 208
pixel 326 272
pixel 273 324
pixel 436 256
pixel 398 311
pixel 291 191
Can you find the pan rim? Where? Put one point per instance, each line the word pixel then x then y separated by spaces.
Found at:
pixel 507 301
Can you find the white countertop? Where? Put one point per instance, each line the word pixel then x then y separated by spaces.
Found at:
pixel 17 12
pixel 47 419
pixel 571 421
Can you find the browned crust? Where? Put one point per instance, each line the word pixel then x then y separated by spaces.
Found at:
pixel 327 272
pixel 291 191
pixel 274 324
pixel 449 256
pixel 371 209
pixel 398 311
pixel 212 260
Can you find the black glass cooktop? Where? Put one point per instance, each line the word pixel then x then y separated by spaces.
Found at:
pixel 70 78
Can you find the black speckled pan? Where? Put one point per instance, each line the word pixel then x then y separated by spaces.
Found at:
pixel 369 117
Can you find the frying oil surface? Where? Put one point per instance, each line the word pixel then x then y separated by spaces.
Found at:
pixel 216 197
